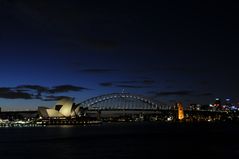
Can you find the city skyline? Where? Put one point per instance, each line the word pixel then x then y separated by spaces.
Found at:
pixel 181 51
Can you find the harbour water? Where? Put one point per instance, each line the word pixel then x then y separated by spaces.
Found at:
pixel 121 141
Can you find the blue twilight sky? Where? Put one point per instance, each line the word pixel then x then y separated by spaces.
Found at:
pixel 167 50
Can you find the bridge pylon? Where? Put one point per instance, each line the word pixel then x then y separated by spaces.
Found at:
pixel 180 111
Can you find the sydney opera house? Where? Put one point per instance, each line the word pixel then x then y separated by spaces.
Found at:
pixel 63 109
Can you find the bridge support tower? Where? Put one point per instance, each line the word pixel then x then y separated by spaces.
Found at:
pixel 180 111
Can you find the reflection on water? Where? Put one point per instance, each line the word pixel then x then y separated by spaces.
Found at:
pixel 128 140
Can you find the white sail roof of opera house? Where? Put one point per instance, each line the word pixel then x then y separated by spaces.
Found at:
pixel 63 108
pixel 54 113
pixel 66 108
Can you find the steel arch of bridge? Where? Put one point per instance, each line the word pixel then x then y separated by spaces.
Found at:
pixel 121 101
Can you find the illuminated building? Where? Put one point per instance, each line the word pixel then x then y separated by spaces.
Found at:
pixel 228 103
pixel 217 103
pixel 180 111
pixel 63 109
pixel 194 107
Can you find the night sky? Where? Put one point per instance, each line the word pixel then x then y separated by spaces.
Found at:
pixel 170 51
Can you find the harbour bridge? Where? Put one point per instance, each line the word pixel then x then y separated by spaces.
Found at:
pixel 125 104
pixel 123 101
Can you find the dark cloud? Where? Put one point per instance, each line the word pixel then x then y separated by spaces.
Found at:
pixel 96 70
pixel 173 93
pixel 148 82
pixel 38 88
pixel 186 70
pixel 131 86
pixel 180 93
pixel 106 84
pixel 144 82
pixel 65 88
pixel 205 94
pixel 127 82
pixel 37 92
pixel 4 89
pixel 8 93
pixel 41 89
pixel 56 98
